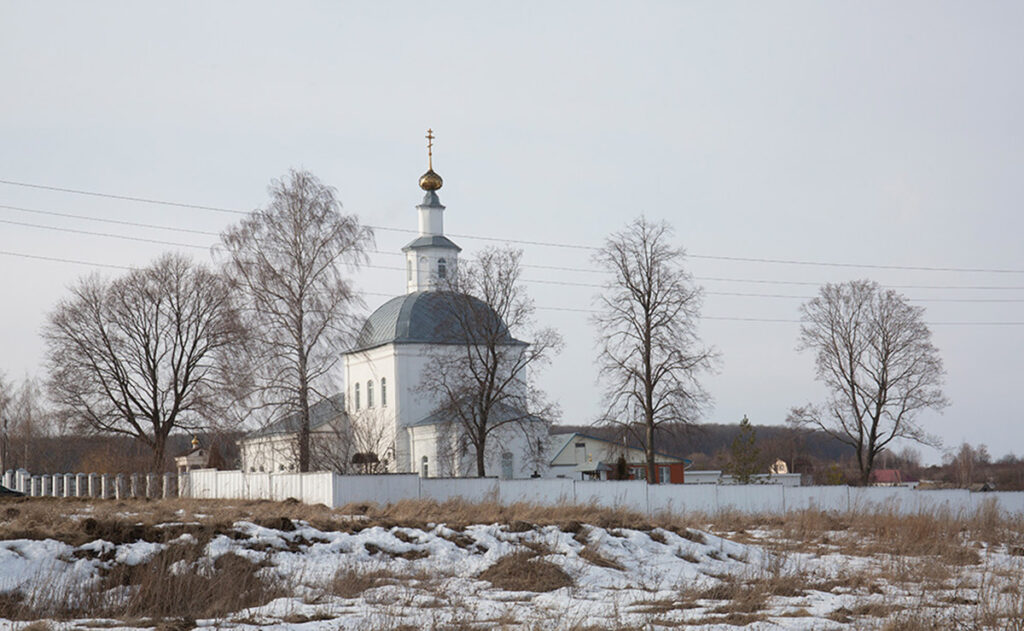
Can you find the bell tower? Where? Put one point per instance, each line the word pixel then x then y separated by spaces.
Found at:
pixel 431 259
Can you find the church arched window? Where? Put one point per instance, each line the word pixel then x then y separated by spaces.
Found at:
pixel 383 392
pixel 442 268
pixel 357 396
pixel 369 394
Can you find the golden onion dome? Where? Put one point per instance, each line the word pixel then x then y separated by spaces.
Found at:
pixel 431 181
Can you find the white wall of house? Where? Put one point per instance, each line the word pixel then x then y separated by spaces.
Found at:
pixel 573 450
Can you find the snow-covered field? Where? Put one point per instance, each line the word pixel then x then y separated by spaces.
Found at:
pixel 515 575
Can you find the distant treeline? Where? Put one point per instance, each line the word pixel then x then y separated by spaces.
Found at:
pixel 107 454
pixel 707 444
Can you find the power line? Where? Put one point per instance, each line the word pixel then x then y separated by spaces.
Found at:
pixel 915 268
pixel 53 213
pixel 546 243
pixel 63 260
pixel 129 198
pixel 535 281
pixel 541 308
pixel 103 234
pixel 526 265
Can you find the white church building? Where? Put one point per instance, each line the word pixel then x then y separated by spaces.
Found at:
pixel 388 414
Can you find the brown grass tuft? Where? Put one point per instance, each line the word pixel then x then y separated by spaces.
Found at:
pixel 524 572
pixel 594 557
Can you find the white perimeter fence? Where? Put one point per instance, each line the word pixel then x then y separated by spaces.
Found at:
pixel 336 490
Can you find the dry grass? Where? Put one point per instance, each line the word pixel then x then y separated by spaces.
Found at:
pixel 524 572
pixel 351 582
pixel 925 553
pixel 178 583
pixel 594 557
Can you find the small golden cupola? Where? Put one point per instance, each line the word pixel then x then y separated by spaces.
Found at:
pixel 430 181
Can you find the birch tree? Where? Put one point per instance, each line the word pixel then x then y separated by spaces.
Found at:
pixel 291 260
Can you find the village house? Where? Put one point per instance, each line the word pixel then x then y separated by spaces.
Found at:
pixel 583 457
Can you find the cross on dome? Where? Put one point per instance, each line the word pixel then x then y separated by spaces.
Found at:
pixel 430 181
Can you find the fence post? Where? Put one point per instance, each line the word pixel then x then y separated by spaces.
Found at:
pixel 167 485
pixel 45 487
pixel 94 484
pixel 133 482
pixel 37 486
pixel 9 479
pixel 184 486
pixel 24 481
pixel 151 485
pixel 105 484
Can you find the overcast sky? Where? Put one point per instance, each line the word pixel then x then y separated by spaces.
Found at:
pixel 871 133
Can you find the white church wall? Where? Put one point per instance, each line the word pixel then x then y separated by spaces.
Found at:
pixel 422 445
pixel 268 453
pixel 373 365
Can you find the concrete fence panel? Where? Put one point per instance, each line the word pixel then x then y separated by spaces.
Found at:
pixel 256 485
pixel 831 498
pixel 682 499
pixel 952 500
pixel 549 492
pixel 231 484
pixel 380 489
pixel 285 485
pixel 1009 501
pixel 868 499
pixel 200 484
pixel 317 487
pixel 751 498
pixel 630 494
pixel 469 489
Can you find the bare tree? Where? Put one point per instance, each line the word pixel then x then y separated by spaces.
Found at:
pixel 289 261
pixel 362 442
pixel 28 420
pixel 650 353
pixel 140 355
pixel 482 376
pixel 875 355
pixel 5 421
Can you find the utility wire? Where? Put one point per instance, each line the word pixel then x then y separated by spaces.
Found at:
pixel 543 243
pixel 53 213
pixel 103 234
pixel 535 281
pixel 129 198
pixel 63 260
pixel 542 308
pixel 136 224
